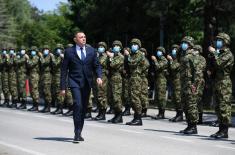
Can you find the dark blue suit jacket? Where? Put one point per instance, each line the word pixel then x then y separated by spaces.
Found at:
pixel 78 71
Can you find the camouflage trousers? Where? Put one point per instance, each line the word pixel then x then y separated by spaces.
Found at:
pixel 126 100
pixel 135 85
pixel 109 93
pixel 189 103
pixel 144 93
pixel 12 81
pixel 33 83
pixel 116 92
pixel 0 85
pixel 160 92
pixel 21 78
pixel 200 90
pixel 46 87
pixel 102 94
pixel 223 95
pixel 5 85
pixel 176 97
pixel 59 99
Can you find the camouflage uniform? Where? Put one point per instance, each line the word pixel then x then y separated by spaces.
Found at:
pixel 45 73
pixel 189 80
pixel 21 77
pixel 102 91
pixel 12 80
pixel 174 67
pixel 126 91
pixel 224 61
pixel 200 68
pixel 144 83
pixel 56 61
pixel 160 64
pixel 33 68
pixel 4 78
pixel 115 68
pixel 135 62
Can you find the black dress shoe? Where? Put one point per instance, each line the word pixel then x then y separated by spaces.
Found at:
pixel 78 138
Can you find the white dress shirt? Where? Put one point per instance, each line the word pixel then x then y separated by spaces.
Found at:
pixel 78 49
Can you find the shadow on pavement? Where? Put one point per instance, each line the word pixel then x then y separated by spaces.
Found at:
pixel 59 139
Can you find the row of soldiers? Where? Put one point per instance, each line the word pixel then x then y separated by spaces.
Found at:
pixel 43 71
pixel 126 84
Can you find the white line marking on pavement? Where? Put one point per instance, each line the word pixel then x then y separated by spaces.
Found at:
pixel 131 131
pixel 225 147
pixel 178 139
pixel 21 148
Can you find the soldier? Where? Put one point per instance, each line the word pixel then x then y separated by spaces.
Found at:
pixel 4 77
pixel 135 60
pixel 224 61
pixel 45 62
pixel 21 76
pixel 174 67
pixel 189 95
pixel 160 63
pixel 33 68
pixel 56 60
pixel 116 61
pixel 102 91
pixel 126 85
pixel 12 77
pixel 144 83
pixel 201 67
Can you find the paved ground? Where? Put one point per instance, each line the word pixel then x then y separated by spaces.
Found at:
pixel 27 133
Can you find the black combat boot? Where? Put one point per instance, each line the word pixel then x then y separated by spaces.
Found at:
pixel 144 113
pixel 192 129
pixel 127 111
pixel 34 107
pixel 110 111
pixel 161 114
pixel 88 115
pixel 137 121
pixel 101 115
pixel 59 110
pixel 178 117
pixel 14 104
pixel 69 112
pixel 118 118
pixel 22 105
pixel 46 108
pixel 200 121
pixel 5 103
pixel 222 133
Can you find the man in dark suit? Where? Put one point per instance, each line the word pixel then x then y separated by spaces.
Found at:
pixel 79 64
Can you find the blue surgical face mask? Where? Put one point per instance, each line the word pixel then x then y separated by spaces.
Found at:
pixel 116 49
pixel 4 52
pixel 22 52
pixel 12 52
pixel 58 51
pixel 174 52
pixel 184 46
pixel 46 52
pixel 101 49
pixel 33 53
pixel 159 53
pixel 219 44
pixel 134 48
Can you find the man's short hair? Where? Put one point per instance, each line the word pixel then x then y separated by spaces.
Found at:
pixel 75 34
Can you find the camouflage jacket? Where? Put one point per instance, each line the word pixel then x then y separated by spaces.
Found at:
pixel 144 67
pixel 135 64
pixel 33 65
pixel 56 62
pixel 103 60
pixel 200 65
pixel 116 64
pixel 174 67
pixel 11 64
pixel 45 63
pixel 160 65
pixel 21 64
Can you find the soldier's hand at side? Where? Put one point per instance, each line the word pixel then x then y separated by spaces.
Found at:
pixel 62 92
pixel 26 56
pixel 62 55
pixel 211 49
pixel 126 52
pixel 99 82
pixel 153 58
pixel 109 54
pixel 169 57
pixel 7 56
pixel 39 54
pixel 51 55
pixel 193 88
